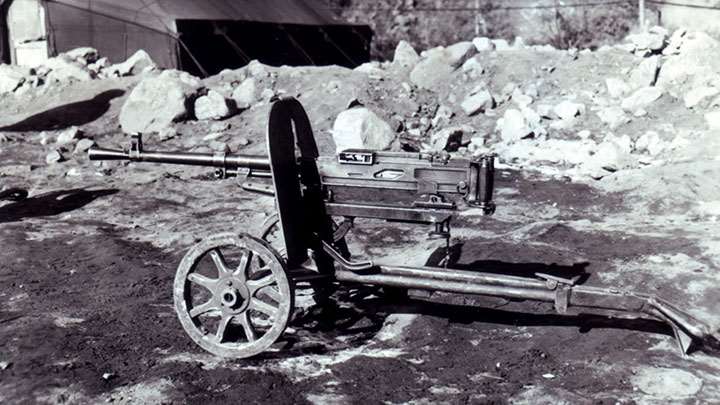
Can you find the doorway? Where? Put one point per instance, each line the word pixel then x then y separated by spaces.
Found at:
pixel 27 33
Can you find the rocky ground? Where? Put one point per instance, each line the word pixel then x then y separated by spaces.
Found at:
pixel 608 167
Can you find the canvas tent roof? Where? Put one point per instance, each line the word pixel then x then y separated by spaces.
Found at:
pixel 160 15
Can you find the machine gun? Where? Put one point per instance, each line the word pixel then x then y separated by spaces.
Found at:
pixel 244 305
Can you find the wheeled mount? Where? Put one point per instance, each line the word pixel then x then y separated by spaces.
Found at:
pixel 234 294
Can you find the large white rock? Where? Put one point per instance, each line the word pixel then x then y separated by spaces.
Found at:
pixel 645 74
pixel 567 109
pixel 697 59
pixel 158 101
pixel 432 73
pixel 64 69
pixel 448 139
pixel 512 126
pixel 12 77
pixel 483 44
pixel 69 135
pixel 616 87
pixel 360 128
pixel 478 102
pixel 405 55
pixel 651 40
pixel 245 95
pixel 457 54
pixel 84 55
pixel 698 94
pixel 641 98
pixel 713 120
pixel 613 117
pixel 139 62
pixel 212 106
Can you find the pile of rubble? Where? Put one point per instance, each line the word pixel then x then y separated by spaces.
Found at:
pixel 81 64
pixel 578 113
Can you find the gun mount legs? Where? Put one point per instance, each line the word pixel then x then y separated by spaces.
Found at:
pixel 232 295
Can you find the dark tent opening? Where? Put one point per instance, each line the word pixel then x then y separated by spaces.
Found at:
pixel 218 45
pixel 202 37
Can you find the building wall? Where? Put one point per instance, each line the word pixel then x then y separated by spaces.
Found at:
pixel 703 15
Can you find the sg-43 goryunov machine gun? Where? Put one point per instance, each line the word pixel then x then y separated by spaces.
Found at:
pixel 242 305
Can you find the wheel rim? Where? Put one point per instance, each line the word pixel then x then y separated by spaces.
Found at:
pixel 241 309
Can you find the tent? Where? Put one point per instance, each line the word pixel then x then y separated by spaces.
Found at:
pixel 201 37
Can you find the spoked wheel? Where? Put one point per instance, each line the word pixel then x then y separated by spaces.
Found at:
pixel 232 295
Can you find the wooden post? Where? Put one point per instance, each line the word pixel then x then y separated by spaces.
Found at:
pixel 477 18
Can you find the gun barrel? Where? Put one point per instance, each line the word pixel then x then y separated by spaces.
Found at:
pixel 217 160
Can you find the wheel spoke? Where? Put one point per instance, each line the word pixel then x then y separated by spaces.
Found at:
pixel 260 283
pixel 222 326
pixel 247 327
pixel 204 308
pixel 263 307
pixel 242 269
pixel 219 262
pixel 199 279
pixel 272 293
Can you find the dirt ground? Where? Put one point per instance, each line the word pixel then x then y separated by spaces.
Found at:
pixel 87 264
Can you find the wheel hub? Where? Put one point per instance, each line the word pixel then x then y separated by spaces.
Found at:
pixel 234 296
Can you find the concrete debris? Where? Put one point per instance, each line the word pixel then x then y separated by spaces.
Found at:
pixel 84 55
pixel 158 101
pixel 613 117
pixel 697 95
pixel 501 44
pixel 167 134
pixel 442 116
pixel 696 61
pixel 520 99
pixel 360 128
pixel 219 146
pixel 473 67
pixel 713 120
pixel 245 95
pixel 458 53
pixel 616 87
pixel 448 139
pixel 431 73
pixel 212 106
pixel 567 109
pixel 64 69
pixel 480 101
pixel 83 145
pixel 513 126
pixel 483 44
pixel 641 98
pixel 645 74
pixel 653 40
pixel 405 55
pixel 139 62
pixel 69 135
pixel 12 77
pixel 650 143
pixel 54 157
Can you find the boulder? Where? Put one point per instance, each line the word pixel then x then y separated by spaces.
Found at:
pixel 473 67
pixel 361 128
pixel 139 62
pixel 616 87
pixel 645 74
pixel 212 106
pixel 512 126
pixel 245 95
pixel 478 102
pixel 69 135
pixel 713 120
pixel 158 101
pixel 54 157
pixel 483 44
pixel 65 69
pixel 448 139
pixel 457 54
pixel 84 55
pixel 641 98
pixel 613 117
pixel 83 145
pixel 567 109
pixel 698 94
pixel 501 44
pixel 653 40
pixel 650 143
pixel 521 99
pixel 405 55
pixel 432 73
pixel 696 60
pixel 12 77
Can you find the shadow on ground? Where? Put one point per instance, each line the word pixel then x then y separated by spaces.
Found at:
pixel 52 203
pixel 73 114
